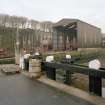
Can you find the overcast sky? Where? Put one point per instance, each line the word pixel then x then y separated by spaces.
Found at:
pixel 91 11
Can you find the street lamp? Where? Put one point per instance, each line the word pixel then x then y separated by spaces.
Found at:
pixel 17 47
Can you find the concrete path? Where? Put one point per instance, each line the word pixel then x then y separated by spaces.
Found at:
pixel 20 90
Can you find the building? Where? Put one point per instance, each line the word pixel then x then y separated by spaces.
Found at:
pixel 46 35
pixel 103 39
pixel 70 34
pixel 38 37
pixel 66 34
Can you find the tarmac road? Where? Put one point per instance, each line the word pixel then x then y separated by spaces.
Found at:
pixel 20 90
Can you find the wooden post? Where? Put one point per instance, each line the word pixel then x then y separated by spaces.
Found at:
pixel 68 78
pixel 51 73
pixel 95 85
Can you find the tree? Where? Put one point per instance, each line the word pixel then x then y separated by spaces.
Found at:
pixel 34 24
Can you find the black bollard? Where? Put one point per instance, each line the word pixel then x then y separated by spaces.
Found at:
pixel 26 64
pixel 43 66
pixel 95 85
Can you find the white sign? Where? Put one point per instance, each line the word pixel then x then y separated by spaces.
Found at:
pixel 68 56
pixel 37 53
pixel 49 58
pixel 94 64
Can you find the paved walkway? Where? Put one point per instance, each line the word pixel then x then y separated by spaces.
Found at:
pixel 20 90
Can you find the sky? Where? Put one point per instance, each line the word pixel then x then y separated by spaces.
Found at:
pixel 91 11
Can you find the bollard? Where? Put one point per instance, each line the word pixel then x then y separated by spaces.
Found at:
pixel 51 72
pixel 95 82
pixel 35 66
pixel 26 63
pixel 70 61
pixel 43 67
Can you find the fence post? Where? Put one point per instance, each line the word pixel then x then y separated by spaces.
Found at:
pixel 95 85
pixel 51 73
pixel 68 78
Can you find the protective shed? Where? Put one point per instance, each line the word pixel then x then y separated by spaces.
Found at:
pixel 70 34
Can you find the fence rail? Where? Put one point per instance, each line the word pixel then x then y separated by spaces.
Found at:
pixel 95 76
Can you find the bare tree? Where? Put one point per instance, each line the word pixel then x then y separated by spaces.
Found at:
pixel 23 21
pixel 4 20
pixel 34 24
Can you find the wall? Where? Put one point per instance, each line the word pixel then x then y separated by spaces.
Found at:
pixel 88 36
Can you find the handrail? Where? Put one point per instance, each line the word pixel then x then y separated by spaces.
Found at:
pixel 77 68
pixel 95 76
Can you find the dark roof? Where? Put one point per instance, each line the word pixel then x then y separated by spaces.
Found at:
pixel 64 22
pixel 67 21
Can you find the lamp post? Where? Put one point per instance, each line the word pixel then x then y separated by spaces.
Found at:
pixel 17 47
